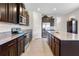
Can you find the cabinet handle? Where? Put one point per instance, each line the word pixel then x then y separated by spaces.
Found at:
pixel 11 44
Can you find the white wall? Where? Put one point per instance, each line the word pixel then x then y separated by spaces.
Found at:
pixel 36 25
pixel 30 19
pixel 60 24
pixel 4 27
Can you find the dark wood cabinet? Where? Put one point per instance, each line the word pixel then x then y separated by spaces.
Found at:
pixel 49 39
pixel 46 19
pixel 9 49
pixel 3 10
pixel 72 26
pixel 21 44
pixel 8 12
pixel 51 21
pixel 62 47
pixel 70 48
pixel 11 12
pixel 14 47
pixel 55 45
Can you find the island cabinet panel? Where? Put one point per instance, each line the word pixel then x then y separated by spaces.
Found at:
pixel 70 48
pixel 64 47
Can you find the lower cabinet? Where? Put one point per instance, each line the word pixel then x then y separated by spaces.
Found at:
pixel 12 51
pixel 55 47
pixel 52 45
pixel 9 49
pixel 14 47
pixel 21 44
pixel 49 40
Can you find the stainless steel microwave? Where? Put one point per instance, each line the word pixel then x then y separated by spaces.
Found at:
pixel 22 20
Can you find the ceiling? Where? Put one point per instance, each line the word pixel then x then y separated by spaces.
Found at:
pixel 52 8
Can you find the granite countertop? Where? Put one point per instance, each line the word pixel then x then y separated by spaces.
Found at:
pixel 7 36
pixel 65 35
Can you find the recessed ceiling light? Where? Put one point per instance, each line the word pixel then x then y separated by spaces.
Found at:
pixel 38 9
pixel 54 9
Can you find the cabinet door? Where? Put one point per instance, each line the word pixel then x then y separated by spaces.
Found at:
pixel 12 49
pixel 0 51
pixel 51 22
pixel 49 39
pixel 53 45
pixel 21 9
pixel 0 12
pixel 3 11
pixel 14 13
pixel 56 47
pixel 4 50
pixel 21 45
pixel 9 49
pixel 10 12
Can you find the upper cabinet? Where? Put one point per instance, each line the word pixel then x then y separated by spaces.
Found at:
pixel 11 12
pixel 51 21
pixel 48 19
pixel 3 12
pixel 45 19
pixel 72 26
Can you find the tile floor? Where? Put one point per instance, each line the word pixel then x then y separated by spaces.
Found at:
pixel 38 47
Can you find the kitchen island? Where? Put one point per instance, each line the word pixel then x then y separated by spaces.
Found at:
pixel 63 43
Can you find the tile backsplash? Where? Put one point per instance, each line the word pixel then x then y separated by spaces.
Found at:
pixel 7 26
